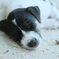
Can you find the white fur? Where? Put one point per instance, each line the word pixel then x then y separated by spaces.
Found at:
pixel 28 36
pixel 49 23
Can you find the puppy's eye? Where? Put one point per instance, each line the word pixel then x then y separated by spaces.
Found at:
pixel 26 24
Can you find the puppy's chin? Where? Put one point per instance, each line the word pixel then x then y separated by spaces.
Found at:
pixel 28 48
pixel 28 37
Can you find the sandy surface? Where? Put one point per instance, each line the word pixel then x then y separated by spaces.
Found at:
pixel 48 49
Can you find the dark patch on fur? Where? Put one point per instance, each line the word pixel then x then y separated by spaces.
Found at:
pixel 25 19
pixel 11 30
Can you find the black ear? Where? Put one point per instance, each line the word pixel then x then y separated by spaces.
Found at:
pixel 35 12
pixel 10 16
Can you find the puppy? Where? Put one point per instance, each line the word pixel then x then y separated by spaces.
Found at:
pixel 21 26
pixel 8 7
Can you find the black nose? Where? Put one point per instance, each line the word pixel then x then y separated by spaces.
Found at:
pixel 33 43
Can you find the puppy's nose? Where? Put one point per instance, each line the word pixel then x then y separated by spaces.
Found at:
pixel 33 43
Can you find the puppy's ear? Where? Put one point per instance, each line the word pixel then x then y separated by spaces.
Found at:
pixel 10 16
pixel 35 12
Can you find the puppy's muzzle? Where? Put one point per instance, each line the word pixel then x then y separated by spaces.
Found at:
pixel 33 43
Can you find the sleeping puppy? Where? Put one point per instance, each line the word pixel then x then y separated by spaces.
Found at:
pixel 21 26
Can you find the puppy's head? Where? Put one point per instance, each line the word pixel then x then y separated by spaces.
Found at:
pixel 25 19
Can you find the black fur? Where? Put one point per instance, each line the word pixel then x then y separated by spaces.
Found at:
pixel 11 30
pixel 34 11
pixel 25 19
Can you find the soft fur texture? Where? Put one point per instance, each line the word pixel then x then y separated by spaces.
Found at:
pixel 21 26
pixel 14 24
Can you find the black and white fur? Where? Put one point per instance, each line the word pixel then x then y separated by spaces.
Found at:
pixel 21 26
pixel 11 25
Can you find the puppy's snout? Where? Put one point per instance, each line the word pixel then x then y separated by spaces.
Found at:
pixel 33 43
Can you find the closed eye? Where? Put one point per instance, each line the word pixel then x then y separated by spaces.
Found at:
pixel 26 24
